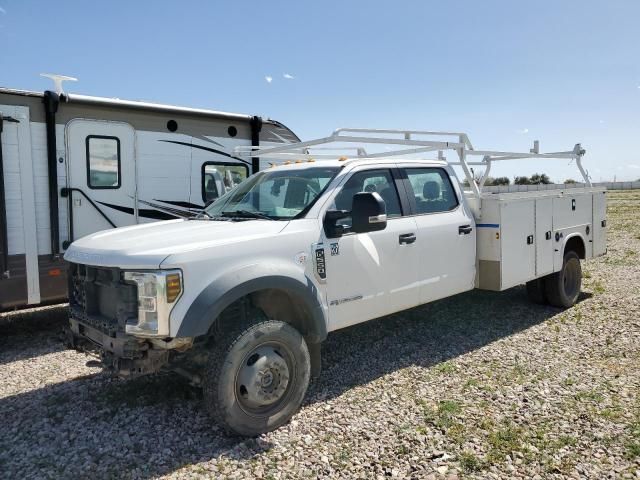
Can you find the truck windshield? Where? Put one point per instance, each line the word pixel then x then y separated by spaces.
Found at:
pixel 274 194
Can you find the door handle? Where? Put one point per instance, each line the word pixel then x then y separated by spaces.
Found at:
pixel 407 238
pixel 465 229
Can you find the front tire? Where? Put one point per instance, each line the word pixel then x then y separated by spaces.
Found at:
pixel 256 377
pixel 563 287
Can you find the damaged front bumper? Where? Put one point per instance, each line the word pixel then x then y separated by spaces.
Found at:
pixel 125 355
pixel 104 306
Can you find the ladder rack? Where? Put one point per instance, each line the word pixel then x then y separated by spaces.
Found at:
pixel 419 141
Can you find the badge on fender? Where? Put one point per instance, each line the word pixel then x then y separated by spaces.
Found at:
pixel 321 266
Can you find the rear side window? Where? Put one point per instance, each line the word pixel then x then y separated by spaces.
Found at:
pixel 432 190
pixel 103 162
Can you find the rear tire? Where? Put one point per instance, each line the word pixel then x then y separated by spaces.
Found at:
pixel 256 377
pixel 563 287
pixel 536 291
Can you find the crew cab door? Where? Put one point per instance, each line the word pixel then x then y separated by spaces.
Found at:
pixel 446 238
pixel 102 175
pixel 369 275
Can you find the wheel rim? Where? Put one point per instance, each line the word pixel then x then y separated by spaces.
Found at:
pixel 264 378
pixel 571 278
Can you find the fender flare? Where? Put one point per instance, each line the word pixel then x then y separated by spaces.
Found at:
pixel 222 292
pixel 570 237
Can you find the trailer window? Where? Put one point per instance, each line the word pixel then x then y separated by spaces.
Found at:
pixel 432 190
pixel 219 178
pixel 103 162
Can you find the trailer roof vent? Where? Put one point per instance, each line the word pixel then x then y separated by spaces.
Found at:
pixel 57 81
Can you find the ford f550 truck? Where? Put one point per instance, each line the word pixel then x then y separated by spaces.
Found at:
pixel 240 298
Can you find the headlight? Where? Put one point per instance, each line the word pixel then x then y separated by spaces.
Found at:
pixel 157 293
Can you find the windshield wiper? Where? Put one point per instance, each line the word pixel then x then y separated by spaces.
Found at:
pixel 246 214
pixel 206 216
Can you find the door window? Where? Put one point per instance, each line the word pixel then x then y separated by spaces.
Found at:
pixel 432 190
pixel 219 178
pixel 103 162
pixel 379 181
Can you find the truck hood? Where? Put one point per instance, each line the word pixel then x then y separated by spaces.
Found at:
pixel 146 246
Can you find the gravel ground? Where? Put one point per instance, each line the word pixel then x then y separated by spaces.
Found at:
pixel 482 385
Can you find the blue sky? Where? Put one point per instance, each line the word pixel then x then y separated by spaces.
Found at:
pixel 505 72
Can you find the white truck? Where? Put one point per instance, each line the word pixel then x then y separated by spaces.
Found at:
pixel 240 298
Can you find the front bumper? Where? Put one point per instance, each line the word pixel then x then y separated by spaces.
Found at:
pixel 103 305
pixel 123 354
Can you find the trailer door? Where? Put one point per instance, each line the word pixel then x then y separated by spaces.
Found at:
pixel 102 176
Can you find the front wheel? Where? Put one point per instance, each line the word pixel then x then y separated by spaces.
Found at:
pixel 563 287
pixel 257 377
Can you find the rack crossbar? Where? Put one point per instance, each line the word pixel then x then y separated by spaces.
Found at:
pixel 462 146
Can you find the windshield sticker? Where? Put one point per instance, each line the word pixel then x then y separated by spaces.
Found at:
pixel 335 249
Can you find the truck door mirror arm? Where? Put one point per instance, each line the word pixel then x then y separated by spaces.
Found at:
pixel 330 223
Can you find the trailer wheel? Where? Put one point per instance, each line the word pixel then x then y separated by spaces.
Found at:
pixel 536 291
pixel 256 377
pixel 563 287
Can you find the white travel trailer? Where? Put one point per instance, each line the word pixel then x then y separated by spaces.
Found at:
pixel 71 165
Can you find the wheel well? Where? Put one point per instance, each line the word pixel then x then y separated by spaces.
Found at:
pixel 575 244
pixel 281 305
pixel 275 304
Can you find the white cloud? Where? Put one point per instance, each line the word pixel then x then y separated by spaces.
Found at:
pixel 523 131
pixel 4 12
pixel 634 166
pixel 268 79
pixel 288 76
pixel 601 122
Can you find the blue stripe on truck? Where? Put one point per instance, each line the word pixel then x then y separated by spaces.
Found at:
pixel 488 225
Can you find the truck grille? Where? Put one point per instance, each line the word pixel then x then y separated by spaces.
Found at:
pixel 100 298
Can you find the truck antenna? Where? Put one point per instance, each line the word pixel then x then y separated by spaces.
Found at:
pixel 57 81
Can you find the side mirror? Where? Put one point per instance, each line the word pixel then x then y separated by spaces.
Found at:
pixel 330 223
pixel 369 213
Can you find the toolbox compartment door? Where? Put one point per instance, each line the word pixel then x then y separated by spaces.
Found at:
pixel 599 223
pixel 517 242
pixel 544 236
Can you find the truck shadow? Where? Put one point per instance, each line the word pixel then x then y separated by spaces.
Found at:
pixel 148 427
pixel 424 337
pixel 32 332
